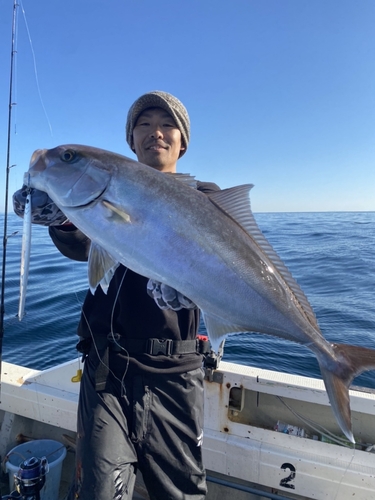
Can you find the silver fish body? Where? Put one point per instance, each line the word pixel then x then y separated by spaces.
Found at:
pixel 208 247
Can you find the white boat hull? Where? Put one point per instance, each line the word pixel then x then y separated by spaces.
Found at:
pixel 241 447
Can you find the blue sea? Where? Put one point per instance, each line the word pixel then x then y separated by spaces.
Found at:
pixel 331 255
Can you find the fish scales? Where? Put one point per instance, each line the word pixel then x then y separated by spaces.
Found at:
pixel 173 216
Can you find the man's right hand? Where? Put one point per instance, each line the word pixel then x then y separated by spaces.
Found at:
pixel 43 209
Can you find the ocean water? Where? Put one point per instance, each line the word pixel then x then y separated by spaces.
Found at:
pixel 331 255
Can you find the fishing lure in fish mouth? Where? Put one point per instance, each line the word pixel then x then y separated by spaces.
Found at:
pixel 25 253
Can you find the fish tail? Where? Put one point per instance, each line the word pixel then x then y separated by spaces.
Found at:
pixel 349 361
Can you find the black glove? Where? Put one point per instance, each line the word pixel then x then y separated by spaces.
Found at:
pixel 167 297
pixel 43 209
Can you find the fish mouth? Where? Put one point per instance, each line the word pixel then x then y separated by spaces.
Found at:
pixel 73 186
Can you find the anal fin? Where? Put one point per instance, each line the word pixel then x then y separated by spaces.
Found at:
pixel 101 268
pixel 217 329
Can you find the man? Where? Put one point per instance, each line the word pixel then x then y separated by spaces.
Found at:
pixel 141 396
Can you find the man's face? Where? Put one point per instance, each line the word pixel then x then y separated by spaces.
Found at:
pixel 157 140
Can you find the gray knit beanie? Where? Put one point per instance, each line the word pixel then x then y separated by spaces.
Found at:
pixel 158 99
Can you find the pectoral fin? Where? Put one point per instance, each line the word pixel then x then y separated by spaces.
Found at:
pixel 117 212
pixel 101 268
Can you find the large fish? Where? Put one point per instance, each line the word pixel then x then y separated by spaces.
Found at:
pixel 208 247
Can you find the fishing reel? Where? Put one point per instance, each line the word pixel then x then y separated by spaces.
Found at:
pixel 29 479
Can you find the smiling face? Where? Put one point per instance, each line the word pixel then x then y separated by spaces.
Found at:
pixel 157 140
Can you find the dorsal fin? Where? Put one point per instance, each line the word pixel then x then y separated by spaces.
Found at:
pixel 186 179
pixel 235 202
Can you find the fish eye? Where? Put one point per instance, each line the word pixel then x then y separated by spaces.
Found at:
pixel 69 156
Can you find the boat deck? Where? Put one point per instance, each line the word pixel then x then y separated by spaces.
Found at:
pixel 245 457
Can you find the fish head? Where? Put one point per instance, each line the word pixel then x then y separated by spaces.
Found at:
pixel 72 175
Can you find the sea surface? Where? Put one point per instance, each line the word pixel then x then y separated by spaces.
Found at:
pixel 331 255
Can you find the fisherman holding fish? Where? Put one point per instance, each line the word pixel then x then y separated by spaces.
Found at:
pixel 141 397
pixel 154 240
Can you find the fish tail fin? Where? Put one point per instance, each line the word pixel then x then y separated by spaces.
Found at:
pixel 350 362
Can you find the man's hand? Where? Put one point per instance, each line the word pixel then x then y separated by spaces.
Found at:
pixel 43 209
pixel 167 297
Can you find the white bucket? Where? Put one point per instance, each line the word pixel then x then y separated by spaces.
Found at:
pixel 54 452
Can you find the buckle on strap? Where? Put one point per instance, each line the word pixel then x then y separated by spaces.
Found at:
pixel 159 346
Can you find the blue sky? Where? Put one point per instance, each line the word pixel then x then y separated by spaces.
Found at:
pixel 281 93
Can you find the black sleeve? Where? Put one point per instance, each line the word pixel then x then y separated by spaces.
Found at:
pixel 72 243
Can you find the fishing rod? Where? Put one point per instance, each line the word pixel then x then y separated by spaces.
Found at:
pixel 8 167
